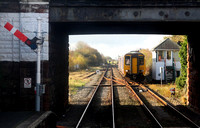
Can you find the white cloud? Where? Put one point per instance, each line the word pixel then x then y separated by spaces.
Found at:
pixel 153 40
pixel 115 45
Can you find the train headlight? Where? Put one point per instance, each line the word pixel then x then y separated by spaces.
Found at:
pixel 126 70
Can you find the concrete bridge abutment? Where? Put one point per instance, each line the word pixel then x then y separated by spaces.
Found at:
pixel 58 65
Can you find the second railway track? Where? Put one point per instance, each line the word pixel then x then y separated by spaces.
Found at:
pixel 164 114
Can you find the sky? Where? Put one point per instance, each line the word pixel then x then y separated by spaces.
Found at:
pixel 117 45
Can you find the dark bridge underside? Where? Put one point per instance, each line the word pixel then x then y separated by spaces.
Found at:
pixel 130 3
pixel 59 43
pixel 73 28
pixel 67 17
pixel 118 17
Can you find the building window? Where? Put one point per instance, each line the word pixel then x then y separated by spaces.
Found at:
pixel 160 55
pixel 168 55
pixel 127 60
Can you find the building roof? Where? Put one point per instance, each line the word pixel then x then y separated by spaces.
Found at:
pixel 167 45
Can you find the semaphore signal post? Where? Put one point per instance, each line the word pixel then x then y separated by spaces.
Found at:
pixel 35 44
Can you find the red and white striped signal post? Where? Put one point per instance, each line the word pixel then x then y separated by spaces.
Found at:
pixel 34 44
pixel 21 36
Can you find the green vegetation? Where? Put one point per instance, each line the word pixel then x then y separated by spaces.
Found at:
pixel 176 38
pixel 75 83
pixel 181 40
pixel 181 87
pixel 164 90
pixel 76 80
pixel 181 80
pixel 84 56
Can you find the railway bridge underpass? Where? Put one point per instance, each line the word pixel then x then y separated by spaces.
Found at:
pixel 98 17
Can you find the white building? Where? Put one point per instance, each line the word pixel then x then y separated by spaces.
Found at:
pixel 165 55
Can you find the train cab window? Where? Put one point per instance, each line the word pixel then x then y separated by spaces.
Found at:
pixel 127 60
pixel 141 60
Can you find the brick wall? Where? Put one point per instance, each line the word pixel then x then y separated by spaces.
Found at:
pixel 17 60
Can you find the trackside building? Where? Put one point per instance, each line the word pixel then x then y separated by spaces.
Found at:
pixel 165 55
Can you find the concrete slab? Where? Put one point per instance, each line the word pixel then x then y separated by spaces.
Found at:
pixel 12 119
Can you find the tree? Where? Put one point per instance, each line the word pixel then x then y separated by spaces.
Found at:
pixel 71 61
pixel 148 60
pixel 103 59
pixel 81 61
pixel 84 56
pixel 176 38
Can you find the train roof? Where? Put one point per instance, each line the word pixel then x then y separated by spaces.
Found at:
pixel 134 53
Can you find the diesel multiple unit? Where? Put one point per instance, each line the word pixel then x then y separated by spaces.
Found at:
pixel 132 65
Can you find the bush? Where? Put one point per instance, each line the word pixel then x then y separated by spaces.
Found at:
pixel 180 82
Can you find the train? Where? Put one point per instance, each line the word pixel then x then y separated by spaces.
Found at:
pixel 132 65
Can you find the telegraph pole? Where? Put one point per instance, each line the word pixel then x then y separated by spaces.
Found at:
pixel 38 74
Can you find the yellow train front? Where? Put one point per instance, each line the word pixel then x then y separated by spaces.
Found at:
pixel 133 65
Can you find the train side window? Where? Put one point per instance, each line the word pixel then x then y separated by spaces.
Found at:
pixel 127 60
pixel 141 60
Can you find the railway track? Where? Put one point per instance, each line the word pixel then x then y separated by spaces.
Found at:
pixel 138 113
pixel 98 113
pixel 116 102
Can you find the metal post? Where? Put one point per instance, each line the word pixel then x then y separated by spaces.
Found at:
pixel 38 75
pixel 161 74
pixel 161 79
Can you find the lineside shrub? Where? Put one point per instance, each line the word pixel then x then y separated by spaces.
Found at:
pixel 181 80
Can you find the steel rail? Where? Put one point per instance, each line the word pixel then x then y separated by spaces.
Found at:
pixel 170 106
pixel 153 94
pixel 112 93
pixel 141 102
pixel 114 81
pixel 79 122
pixel 118 79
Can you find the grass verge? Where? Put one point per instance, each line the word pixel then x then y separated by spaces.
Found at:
pixel 77 79
pixel 180 94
